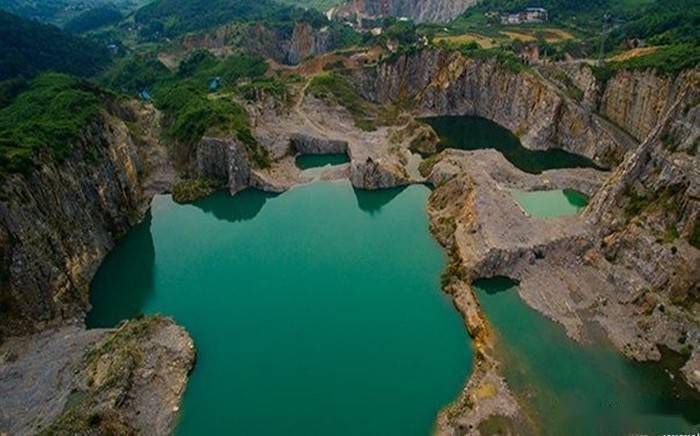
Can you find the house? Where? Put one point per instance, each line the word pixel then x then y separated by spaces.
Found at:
pixel 536 15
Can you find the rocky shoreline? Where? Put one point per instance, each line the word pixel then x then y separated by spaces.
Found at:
pixel 574 270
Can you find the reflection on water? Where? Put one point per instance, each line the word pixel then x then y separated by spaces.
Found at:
pixel 133 285
pixel 581 389
pixel 373 201
pixel 244 206
pixel 476 133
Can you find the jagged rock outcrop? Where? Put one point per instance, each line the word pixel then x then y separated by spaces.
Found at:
pixel 303 42
pixel 74 381
pixel 418 10
pixel 448 83
pixel 637 100
pixel 648 219
pixel 286 46
pixel 224 160
pixel 375 174
pixel 58 222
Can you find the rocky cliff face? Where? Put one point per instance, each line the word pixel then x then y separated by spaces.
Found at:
pixel 635 100
pixel 418 10
pixel 224 160
pixel 277 43
pixel 304 41
pixel 447 83
pixel 638 100
pixel 58 222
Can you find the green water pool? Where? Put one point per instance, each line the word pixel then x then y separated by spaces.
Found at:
pixel 547 204
pixel 476 133
pixel 580 389
pixel 307 161
pixel 315 312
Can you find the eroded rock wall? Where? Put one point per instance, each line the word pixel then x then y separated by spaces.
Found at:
pixel 448 83
pixel 58 221
pixel 224 160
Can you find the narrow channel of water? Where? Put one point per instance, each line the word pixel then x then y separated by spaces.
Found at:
pixel 579 389
pixel 307 161
pixel 315 312
pixel 547 204
pixel 476 133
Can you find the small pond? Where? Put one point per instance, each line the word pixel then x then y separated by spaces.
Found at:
pixel 476 133
pixel 547 204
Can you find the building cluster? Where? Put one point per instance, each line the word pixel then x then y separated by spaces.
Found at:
pixel 528 15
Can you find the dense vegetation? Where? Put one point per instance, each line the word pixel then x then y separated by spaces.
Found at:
pixel 134 73
pixel 49 115
pixel 60 11
pixel 670 59
pixel 173 17
pixel 27 48
pixel 186 96
pixel 663 23
pixel 94 19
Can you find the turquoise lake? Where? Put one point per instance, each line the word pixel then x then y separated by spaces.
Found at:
pixel 579 389
pixel 315 312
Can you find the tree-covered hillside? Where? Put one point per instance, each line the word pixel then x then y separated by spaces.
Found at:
pixel 49 115
pixel 174 17
pixel 60 11
pixel 94 19
pixel 28 47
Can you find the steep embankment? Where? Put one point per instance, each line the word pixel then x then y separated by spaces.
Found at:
pixel 59 220
pixel 71 187
pixel 448 83
pixel 648 219
pixel 635 100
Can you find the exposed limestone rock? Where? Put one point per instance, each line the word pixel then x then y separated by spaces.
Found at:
pixel 645 216
pixel 375 174
pixel 224 160
pixel 418 10
pixel 637 100
pixel 75 381
pixel 447 83
pixel 286 46
pixel 279 45
pixel 60 220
